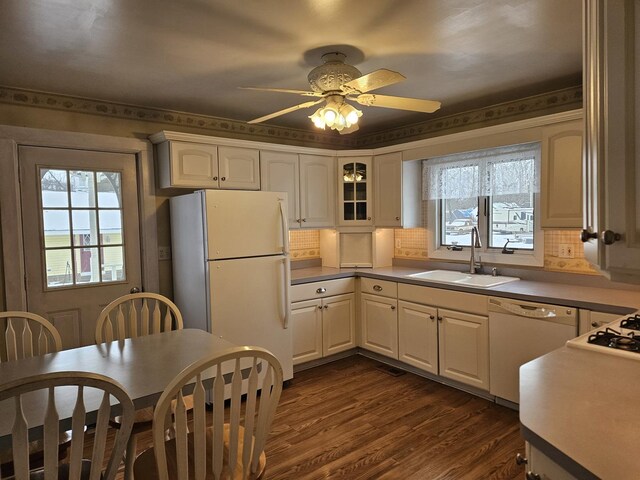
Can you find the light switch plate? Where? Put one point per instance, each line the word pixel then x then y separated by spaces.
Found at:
pixel 398 243
pixel 164 253
pixel 565 250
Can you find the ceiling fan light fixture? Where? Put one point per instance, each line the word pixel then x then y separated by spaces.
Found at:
pixel 350 114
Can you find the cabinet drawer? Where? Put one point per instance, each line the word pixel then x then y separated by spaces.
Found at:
pixel 438 297
pixel 309 291
pixel 379 287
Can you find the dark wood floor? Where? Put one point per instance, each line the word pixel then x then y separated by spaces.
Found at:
pixel 352 420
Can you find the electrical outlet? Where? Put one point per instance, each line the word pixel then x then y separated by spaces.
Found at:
pixel 164 253
pixel 398 243
pixel 565 250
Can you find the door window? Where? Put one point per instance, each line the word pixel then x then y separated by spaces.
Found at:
pixel 82 226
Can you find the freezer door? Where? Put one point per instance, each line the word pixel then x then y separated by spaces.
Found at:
pixel 250 304
pixel 245 224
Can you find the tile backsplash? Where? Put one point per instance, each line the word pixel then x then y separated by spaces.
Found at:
pixel 305 244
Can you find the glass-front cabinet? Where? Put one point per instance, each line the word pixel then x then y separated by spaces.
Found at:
pixel 355 187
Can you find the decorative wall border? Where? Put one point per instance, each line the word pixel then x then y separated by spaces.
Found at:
pixel 537 105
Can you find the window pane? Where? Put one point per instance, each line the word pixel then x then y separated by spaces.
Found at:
pixel 361 191
pixel 361 210
pixel 109 190
pixel 349 211
pixel 53 185
pixel 58 265
pixel 110 226
pixel 56 228
pixel 348 191
pixel 87 262
pixel 82 188
pixel 113 264
pixel 512 219
pixel 348 172
pixel 361 172
pixel 458 217
pixel 85 227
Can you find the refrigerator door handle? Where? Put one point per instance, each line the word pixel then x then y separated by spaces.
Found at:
pixel 285 228
pixel 287 282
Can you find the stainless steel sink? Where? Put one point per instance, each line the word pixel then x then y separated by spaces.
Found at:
pixel 461 278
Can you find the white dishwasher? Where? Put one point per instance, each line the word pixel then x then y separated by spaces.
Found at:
pixel 518 333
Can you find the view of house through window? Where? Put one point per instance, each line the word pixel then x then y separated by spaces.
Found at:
pixel 493 190
pixel 82 227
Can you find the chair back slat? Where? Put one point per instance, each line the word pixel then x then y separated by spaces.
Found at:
pixel 28 334
pixel 133 320
pixel 199 430
pixel 220 450
pixel 20 444
pixel 27 341
pixel 137 314
pixel 77 433
pixel 51 433
pixel 250 412
pixel 19 389
pixel 144 319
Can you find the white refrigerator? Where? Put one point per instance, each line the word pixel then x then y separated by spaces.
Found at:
pixel 230 255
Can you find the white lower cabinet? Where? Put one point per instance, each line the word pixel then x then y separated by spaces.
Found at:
pixel 380 324
pixel 464 347
pixel 418 336
pixel 541 467
pixel 322 326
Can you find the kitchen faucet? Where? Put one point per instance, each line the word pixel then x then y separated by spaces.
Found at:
pixel 475 243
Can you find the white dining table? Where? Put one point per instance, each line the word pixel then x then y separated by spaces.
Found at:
pixel 144 366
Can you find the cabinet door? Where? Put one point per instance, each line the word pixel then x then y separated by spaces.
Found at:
pixel 190 164
pixel 541 466
pixel 561 199
pixel 612 150
pixel 338 324
pixel 464 347
pixel 239 168
pixel 317 191
pixel 306 327
pixel 354 191
pixel 418 336
pixel 388 190
pixel 380 325
pixel 279 173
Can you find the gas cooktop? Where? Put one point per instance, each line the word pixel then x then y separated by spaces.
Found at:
pixel 620 337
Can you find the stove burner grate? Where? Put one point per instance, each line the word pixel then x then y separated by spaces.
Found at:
pixel 631 323
pixel 611 338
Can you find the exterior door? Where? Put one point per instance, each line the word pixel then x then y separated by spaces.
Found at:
pixel 81 235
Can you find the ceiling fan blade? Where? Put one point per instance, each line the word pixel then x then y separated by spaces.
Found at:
pixel 371 81
pixel 400 103
pixel 286 110
pixel 284 90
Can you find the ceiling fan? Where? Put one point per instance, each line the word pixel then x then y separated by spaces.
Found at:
pixel 336 83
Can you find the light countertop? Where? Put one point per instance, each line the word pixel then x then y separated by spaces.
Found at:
pixel 609 300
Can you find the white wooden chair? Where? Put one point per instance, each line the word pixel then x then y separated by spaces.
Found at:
pixel 130 316
pixel 231 449
pixel 28 335
pixel 76 467
pixel 136 315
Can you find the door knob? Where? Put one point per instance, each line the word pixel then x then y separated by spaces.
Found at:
pixel 587 235
pixel 609 237
pixel 134 290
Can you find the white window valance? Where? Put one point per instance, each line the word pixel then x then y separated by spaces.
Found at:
pixel 495 171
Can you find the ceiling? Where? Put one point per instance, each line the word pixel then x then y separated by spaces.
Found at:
pixel 192 55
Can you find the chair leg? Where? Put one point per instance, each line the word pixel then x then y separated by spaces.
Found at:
pixel 130 457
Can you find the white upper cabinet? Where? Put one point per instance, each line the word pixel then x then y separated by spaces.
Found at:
pixel 397 193
pixel 611 229
pixel 355 184
pixel 561 188
pixel 317 191
pixel 203 165
pixel 280 172
pixel 239 168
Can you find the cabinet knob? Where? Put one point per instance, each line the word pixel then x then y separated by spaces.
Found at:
pixel 432 317
pixel 532 476
pixel 326 306
pixel 397 218
pixel 520 460
pixel 393 307
pixel 319 307
pixel 377 288
pixel 215 178
pixel 368 218
pixel 439 318
pixel 595 324
pixel 304 219
pixel 223 178
pixel 321 290
pixel 609 237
